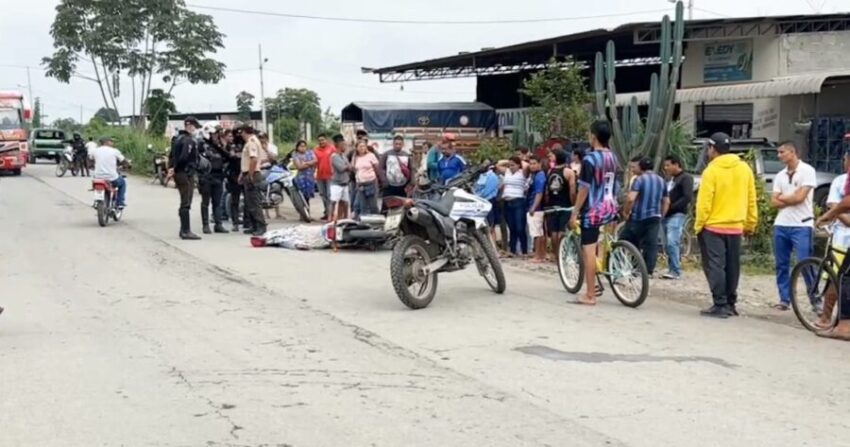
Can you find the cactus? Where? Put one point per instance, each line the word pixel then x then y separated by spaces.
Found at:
pixel 631 136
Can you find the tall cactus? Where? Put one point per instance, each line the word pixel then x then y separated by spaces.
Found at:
pixel 631 136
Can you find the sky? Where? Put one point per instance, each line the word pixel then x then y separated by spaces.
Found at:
pixel 327 56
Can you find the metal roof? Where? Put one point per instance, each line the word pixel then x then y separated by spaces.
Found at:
pixel 634 43
pixel 377 106
pixel 782 86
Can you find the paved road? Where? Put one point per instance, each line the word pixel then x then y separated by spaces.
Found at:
pixel 127 336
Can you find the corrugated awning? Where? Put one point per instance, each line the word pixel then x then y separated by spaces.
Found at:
pixel 777 87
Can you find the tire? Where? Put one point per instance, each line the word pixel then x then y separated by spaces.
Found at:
pixel 398 267
pixel 74 171
pixel 300 204
pixel 102 214
pixel 496 281
pixel 625 259
pixel 804 291
pixel 160 177
pixel 61 169
pixel 570 244
pixel 16 172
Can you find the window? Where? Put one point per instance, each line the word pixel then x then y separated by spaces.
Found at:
pixel 49 135
pixel 772 165
pixel 10 119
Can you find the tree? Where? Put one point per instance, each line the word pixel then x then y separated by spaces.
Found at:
pixel 330 122
pixel 69 125
pixel 36 113
pixel 244 104
pixel 560 101
pixel 301 104
pixel 108 115
pixel 287 130
pixel 158 106
pixel 139 38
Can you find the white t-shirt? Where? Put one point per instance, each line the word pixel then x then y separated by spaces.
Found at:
pixel 515 184
pixel 90 146
pixel 841 235
pixel 793 216
pixel 106 161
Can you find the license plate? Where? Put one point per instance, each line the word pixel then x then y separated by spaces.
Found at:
pixel 393 221
pixel 98 195
pixel 51 153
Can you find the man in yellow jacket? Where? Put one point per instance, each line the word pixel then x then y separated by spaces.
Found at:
pixel 725 211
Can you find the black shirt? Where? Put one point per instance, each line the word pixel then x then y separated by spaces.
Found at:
pixel 184 154
pixel 557 193
pixel 681 193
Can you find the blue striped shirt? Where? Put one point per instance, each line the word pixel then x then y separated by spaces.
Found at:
pixel 651 191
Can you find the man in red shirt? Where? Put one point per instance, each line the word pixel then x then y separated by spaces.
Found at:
pixel 323 153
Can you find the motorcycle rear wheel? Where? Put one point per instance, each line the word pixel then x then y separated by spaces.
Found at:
pixel 102 214
pixel 492 272
pixel 406 271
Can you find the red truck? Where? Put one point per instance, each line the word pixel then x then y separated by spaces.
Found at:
pixel 13 134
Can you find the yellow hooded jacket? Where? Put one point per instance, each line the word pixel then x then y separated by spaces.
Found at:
pixel 726 201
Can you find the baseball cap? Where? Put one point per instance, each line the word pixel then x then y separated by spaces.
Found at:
pixel 449 137
pixel 192 120
pixel 720 141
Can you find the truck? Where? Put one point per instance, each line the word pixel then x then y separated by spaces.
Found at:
pixel 13 134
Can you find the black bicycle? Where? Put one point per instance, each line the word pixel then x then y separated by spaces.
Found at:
pixel 814 287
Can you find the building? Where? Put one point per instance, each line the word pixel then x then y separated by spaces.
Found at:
pixel 779 78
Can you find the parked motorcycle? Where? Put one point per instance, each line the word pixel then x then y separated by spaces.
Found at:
pixel 370 230
pixel 279 181
pixel 66 163
pixel 160 166
pixel 444 236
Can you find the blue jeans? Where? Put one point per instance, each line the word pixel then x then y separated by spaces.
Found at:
pixel 786 240
pixel 121 184
pixel 515 212
pixel 673 227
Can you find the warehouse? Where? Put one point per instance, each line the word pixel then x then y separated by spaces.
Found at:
pixel 778 78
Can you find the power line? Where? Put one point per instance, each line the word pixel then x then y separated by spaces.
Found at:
pixel 725 16
pixel 423 22
pixel 359 86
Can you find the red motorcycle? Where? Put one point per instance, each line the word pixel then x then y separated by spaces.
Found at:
pixel 106 201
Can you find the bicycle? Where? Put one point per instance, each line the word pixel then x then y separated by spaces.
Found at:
pixel 818 276
pixel 621 263
pixel 685 245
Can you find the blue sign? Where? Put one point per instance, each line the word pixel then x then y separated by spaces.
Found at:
pixel 728 61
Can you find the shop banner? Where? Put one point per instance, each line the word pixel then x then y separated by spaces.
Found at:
pixel 728 61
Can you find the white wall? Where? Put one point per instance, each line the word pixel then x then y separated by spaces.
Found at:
pixel 765 60
pixel 813 52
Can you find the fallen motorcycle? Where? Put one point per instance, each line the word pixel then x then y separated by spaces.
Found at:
pixel 442 236
pixel 370 230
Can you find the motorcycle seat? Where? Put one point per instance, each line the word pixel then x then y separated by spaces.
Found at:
pixel 373 219
pixel 443 206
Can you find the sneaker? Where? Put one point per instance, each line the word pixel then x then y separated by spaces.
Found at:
pixel 248 231
pixel 207 229
pixel 716 312
pixel 220 229
pixel 670 276
pixel 189 236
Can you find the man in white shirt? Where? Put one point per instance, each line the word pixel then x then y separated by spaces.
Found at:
pixel 841 230
pixel 793 229
pixel 106 160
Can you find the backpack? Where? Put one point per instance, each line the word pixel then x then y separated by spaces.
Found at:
pixel 398 170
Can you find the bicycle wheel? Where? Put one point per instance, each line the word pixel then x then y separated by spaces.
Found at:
pixel 811 283
pixel 627 274
pixel 571 263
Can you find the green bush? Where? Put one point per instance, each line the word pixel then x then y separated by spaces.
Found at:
pixel 133 143
pixel 492 149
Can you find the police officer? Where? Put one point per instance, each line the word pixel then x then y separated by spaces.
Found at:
pixel 211 179
pixel 253 156
pixel 183 160
pixel 81 157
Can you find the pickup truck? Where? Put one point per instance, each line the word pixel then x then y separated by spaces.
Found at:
pixel 767 165
pixel 46 143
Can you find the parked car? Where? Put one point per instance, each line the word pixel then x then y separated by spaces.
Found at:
pixel 46 143
pixel 767 165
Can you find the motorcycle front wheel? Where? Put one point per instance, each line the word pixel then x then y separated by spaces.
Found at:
pixel 300 204
pixel 61 169
pixel 413 284
pixel 488 263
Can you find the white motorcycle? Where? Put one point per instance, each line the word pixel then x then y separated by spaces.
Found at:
pixel 66 163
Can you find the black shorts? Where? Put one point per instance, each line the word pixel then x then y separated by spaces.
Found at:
pixel 556 222
pixel 589 236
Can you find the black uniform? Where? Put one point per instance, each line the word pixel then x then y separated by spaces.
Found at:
pixel 81 156
pixel 184 159
pixel 211 183
pixel 234 188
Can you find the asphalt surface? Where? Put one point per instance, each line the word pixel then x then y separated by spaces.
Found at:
pixel 126 335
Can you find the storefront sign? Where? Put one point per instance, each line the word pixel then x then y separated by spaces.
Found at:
pixel 728 61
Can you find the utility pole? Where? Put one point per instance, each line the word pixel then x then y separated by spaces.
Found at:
pixel 29 85
pixel 262 90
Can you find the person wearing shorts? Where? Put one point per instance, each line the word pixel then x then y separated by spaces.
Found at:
pixel 560 193
pixel 339 192
pixel 596 201
pixel 534 198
